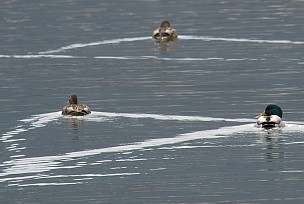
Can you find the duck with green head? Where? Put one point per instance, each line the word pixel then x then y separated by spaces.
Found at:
pixel 165 32
pixel 270 118
pixel 75 109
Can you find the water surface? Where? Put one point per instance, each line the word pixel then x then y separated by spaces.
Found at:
pixel 171 123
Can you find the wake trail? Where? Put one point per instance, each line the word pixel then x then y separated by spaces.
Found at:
pixel 19 166
pixel 181 37
pixel 207 38
pixel 51 53
pixel 104 42
pixel 47 163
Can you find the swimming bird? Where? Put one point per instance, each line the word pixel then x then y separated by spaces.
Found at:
pixel 271 117
pixel 75 109
pixel 165 32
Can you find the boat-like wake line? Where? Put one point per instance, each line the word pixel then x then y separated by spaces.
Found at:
pixel 37 165
pixel 104 42
pixel 177 59
pixel 37 56
pixel 167 117
pixel 50 53
pixel 182 37
pixel 47 163
pixel 41 120
pixel 206 38
pixel 52 56
pixel 34 122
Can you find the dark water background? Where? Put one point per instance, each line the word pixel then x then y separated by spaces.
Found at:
pixel 171 123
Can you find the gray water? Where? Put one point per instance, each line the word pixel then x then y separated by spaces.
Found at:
pixel 171 123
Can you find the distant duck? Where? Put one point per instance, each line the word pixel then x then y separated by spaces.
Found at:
pixel 75 109
pixel 270 118
pixel 165 32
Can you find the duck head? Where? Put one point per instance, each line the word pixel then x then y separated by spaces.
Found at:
pixel 272 110
pixel 165 24
pixel 73 99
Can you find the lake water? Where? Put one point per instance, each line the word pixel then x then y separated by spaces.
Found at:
pixel 171 123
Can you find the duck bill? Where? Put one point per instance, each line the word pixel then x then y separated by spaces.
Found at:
pixel 262 114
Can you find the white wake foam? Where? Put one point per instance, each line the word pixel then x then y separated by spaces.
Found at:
pixel 181 37
pixel 52 56
pixel 104 42
pixel 50 53
pixel 47 163
pixel 30 56
pixel 207 38
pixel 176 59
pixel 31 123
pixel 20 166
pixel 168 117
pixel 42 120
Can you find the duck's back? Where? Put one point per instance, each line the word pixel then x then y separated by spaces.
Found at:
pixel 165 33
pixel 76 110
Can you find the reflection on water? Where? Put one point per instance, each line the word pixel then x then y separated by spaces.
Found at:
pixel 274 151
pixel 273 147
pixel 272 144
pixel 164 47
pixel 73 123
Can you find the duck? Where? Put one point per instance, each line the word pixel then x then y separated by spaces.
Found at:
pixel 270 118
pixel 75 109
pixel 165 32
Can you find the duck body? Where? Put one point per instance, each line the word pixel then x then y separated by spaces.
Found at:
pixel 269 122
pixel 75 109
pixel 165 32
pixel 271 118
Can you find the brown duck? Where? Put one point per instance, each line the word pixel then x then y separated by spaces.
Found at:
pixel 75 109
pixel 165 32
